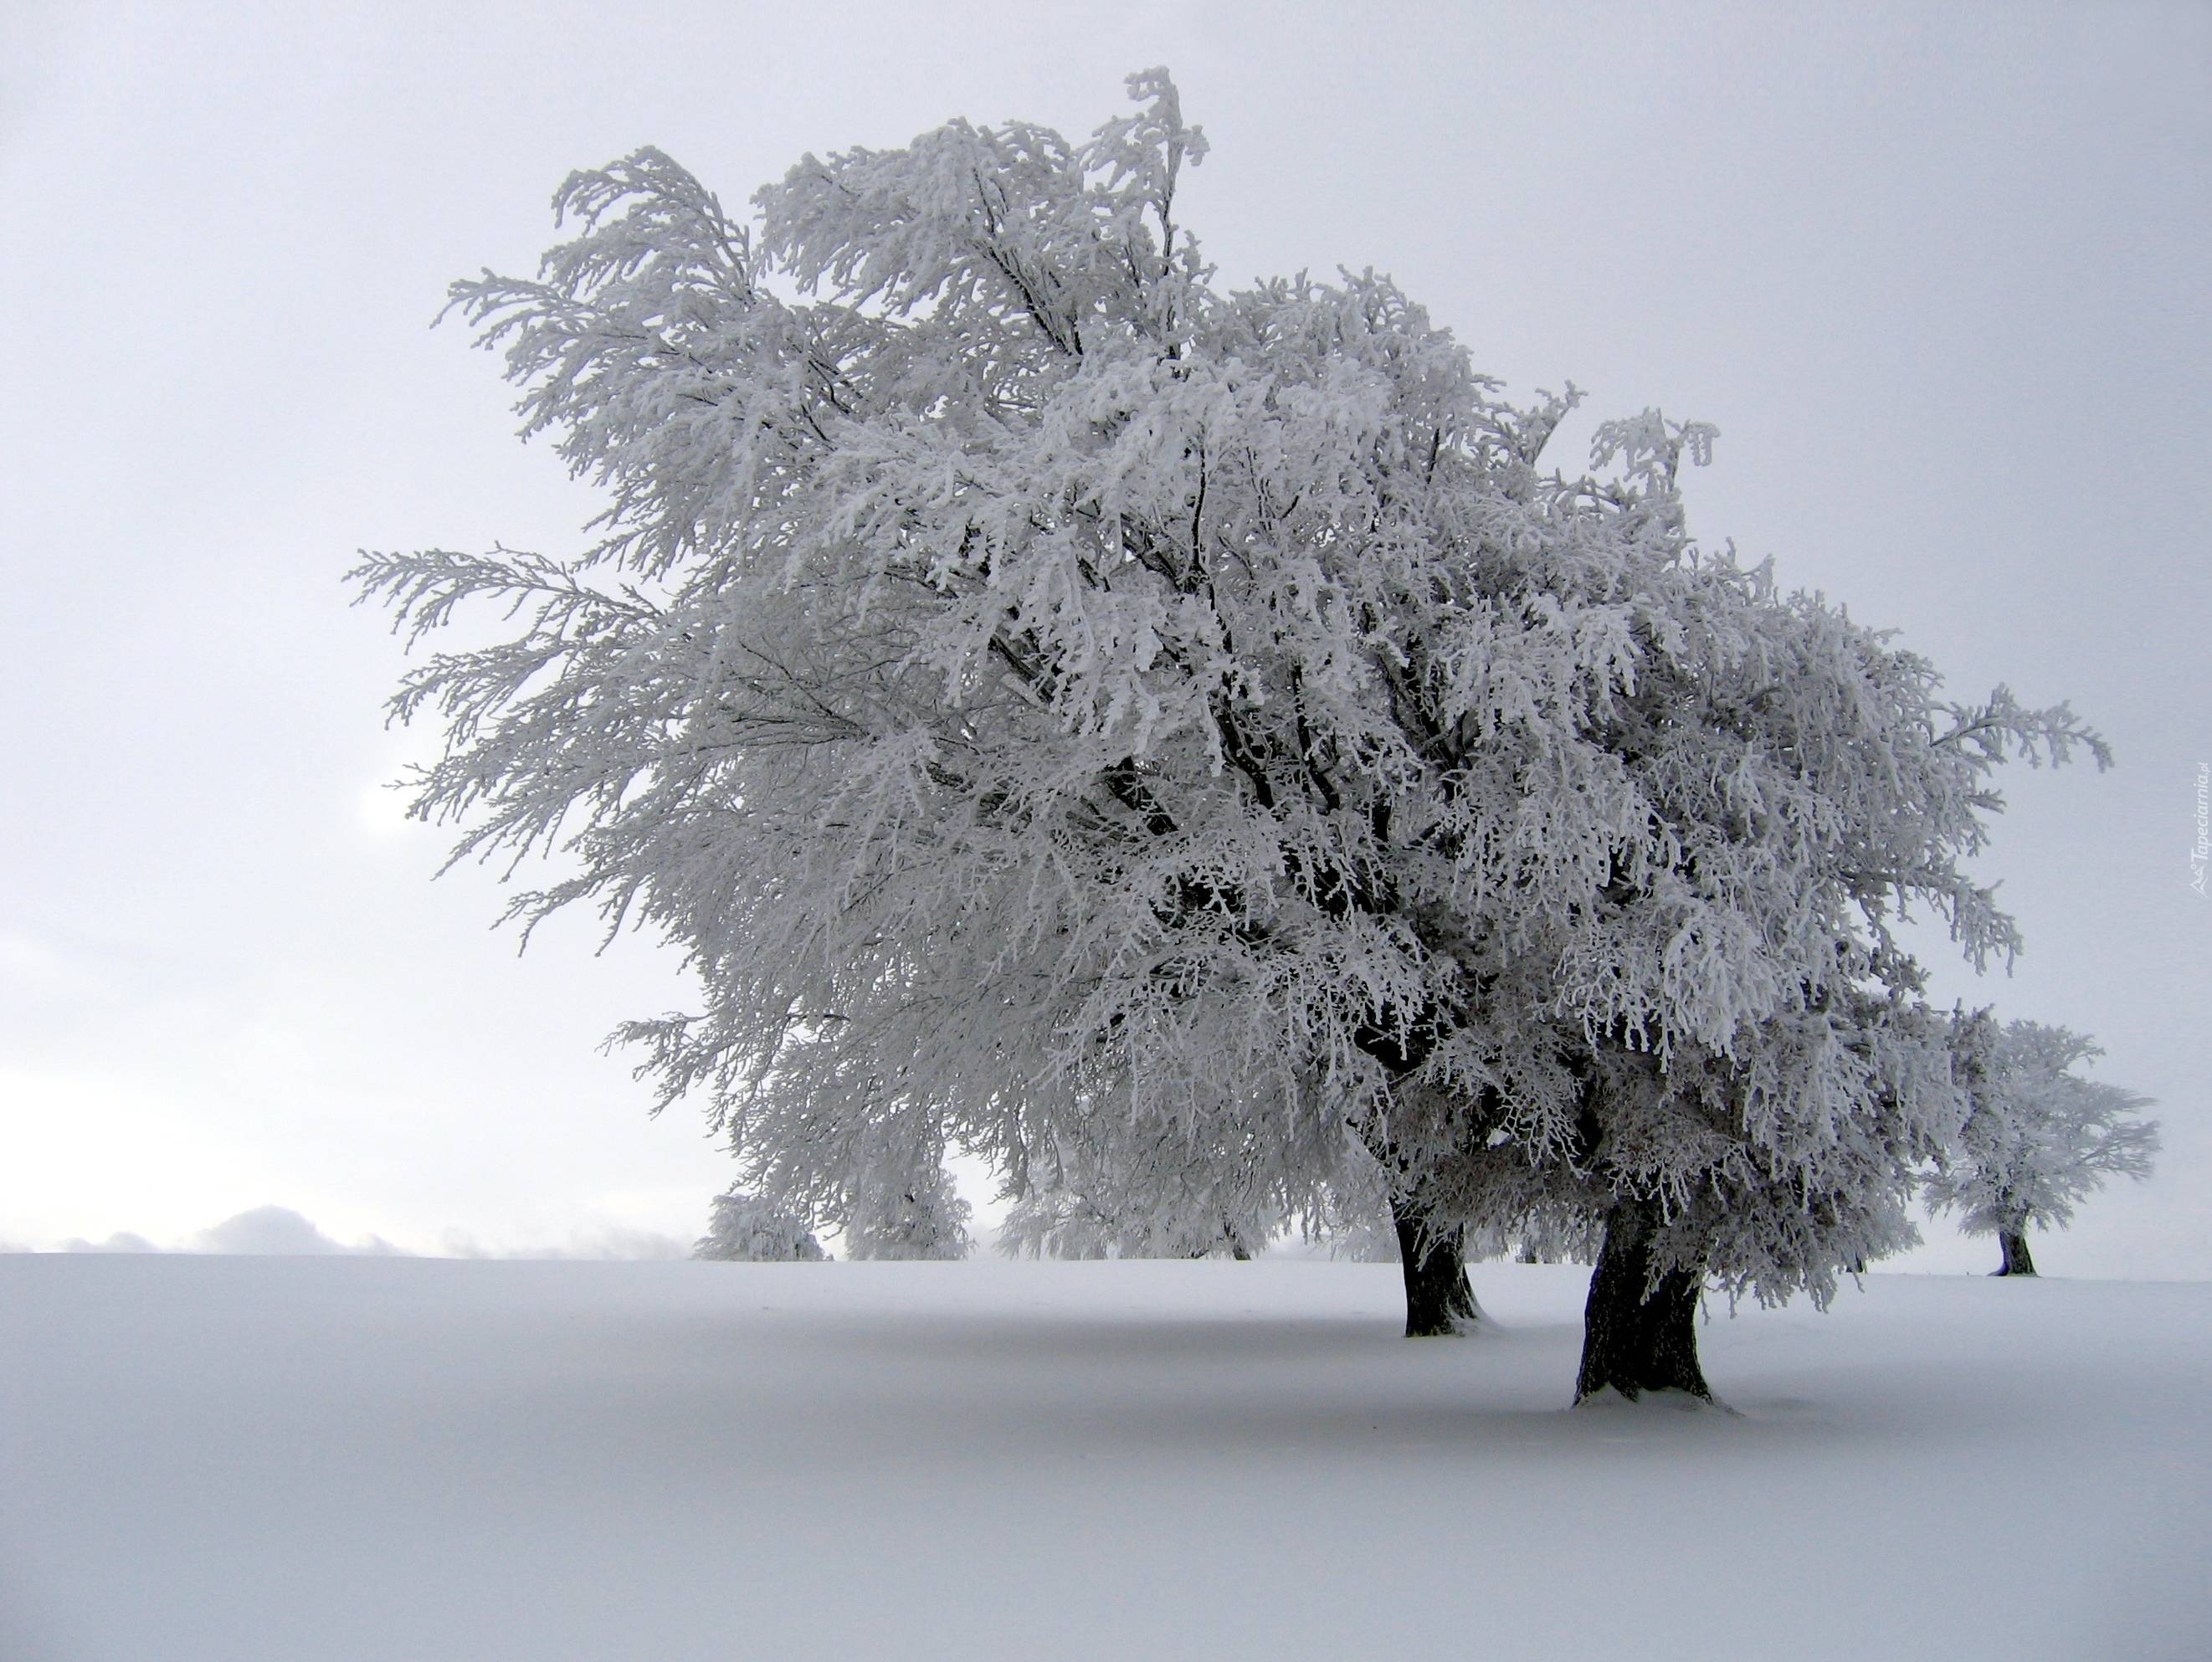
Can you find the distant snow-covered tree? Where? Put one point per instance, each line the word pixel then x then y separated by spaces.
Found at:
pixel 1356 1222
pixel 2037 1135
pixel 1064 710
pixel 1069 1223
pixel 1125 1191
pixel 749 1228
pixel 901 1203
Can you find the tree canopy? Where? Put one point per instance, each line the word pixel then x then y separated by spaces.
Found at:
pixel 1118 725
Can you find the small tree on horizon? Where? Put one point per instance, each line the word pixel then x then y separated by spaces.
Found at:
pixel 2038 1136
pixel 747 1228
pixel 906 1212
pixel 1123 1191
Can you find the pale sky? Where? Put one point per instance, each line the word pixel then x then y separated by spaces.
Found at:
pixel 1938 273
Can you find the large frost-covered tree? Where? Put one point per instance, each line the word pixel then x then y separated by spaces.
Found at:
pixel 1183 737
pixel 2037 1135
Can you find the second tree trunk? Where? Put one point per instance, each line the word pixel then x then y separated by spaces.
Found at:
pixel 1639 1334
pixel 1439 1300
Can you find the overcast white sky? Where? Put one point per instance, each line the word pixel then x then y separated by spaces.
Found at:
pixel 1938 272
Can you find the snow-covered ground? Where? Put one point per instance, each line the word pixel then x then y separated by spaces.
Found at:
pixel 357 1459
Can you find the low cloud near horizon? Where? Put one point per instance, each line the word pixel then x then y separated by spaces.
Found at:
pixel 280 1232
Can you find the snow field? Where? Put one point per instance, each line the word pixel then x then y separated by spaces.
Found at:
pixel 412 1461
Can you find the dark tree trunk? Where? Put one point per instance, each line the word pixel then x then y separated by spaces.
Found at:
pixel 1633 1343
pixel 2016 1260
pixel 1439 1300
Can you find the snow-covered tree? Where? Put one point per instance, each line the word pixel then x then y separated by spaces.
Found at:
pixel 899 1202
pixel 1064 709
pixel 745 1228
pixel 1356 1222
pixel 1761 1074
pixel 1123 1191
pixel 1070 1223
pixel 2037 1135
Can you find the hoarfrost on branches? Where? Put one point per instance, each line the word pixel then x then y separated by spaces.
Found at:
pixel 1179 745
